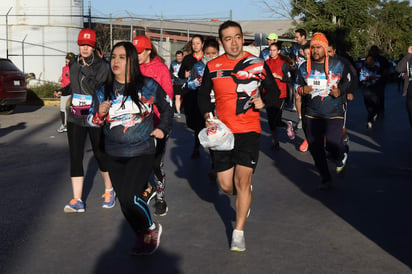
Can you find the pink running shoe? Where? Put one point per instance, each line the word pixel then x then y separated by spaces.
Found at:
pixel 289 130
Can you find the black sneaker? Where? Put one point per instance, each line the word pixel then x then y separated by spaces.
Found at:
pixel 161 208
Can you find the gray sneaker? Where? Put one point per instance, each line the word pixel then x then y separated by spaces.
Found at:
pixel 238 241
pixel 299 124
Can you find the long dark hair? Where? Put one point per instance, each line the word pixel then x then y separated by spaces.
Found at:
pixel 136 78
pixel 282 57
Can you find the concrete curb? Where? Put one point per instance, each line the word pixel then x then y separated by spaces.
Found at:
pixel 55 103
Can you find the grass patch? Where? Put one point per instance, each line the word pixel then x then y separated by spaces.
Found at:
pixel 45 90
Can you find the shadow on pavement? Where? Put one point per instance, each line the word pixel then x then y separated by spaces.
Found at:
pixel 195 171
pixel 7 130
pixel 374 191
pixel 118 260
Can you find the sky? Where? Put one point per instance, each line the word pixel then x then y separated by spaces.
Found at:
pixel 183 9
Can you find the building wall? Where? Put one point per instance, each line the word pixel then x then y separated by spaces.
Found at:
pixel 49 30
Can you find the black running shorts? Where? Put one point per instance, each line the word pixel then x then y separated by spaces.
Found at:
pixel 244 153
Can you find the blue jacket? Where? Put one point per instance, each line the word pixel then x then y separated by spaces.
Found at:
pixel 127 128
pixel 319 103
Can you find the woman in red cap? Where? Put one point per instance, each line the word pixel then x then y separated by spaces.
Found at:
pixel 88 73
pixel 152 65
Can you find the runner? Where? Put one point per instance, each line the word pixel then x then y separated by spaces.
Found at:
pixel 125 111
pixel 236 77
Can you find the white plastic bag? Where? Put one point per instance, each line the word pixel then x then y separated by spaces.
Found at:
pixel 217 137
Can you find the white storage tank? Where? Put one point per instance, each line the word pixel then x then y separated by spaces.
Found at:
pixel 42 31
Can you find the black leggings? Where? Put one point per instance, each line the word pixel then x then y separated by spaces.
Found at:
pixel 158 167
pixel 129 177
pixel 409 102
pixel 372 104
pixel 317 130
pixel 274 115
pixel 77 138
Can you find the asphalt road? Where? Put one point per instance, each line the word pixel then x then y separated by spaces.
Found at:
pixel 362 226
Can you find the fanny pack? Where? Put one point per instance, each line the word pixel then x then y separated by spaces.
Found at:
pixel 80 110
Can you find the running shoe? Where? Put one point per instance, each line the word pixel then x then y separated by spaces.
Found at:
pixel 109 199
pixel 299 124
pixel 148 195
pixel 75 205
pixel 148 242
pixel 369 125
pixel 161 208
pixel 177 115
pixel 341 165
pixel 61 129
pixel 151 239
pixel 289 130
pixel 238 241
pixel 304 146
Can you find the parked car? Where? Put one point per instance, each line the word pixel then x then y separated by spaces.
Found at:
pixel 12 85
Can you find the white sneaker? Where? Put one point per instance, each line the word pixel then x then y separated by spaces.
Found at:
pixel 61 129
pixel 299 124
pixel 238 241
pixel 369 126
pixel 341 165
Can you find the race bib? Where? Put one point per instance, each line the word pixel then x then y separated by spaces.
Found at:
pixel 81 100
pixel 319 84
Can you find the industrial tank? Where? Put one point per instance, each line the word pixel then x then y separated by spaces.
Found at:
pixel 40 33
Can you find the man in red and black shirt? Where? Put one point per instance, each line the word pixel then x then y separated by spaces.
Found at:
pixel 237 78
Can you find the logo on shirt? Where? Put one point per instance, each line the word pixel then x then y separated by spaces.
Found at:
pixel 247 74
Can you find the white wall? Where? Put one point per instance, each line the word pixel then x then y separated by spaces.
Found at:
pixel 47 31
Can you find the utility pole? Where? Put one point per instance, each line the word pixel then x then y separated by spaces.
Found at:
pixel 90 14
pixel 22 50
pixel 7 33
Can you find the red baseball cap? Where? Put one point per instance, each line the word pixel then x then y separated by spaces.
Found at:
pixel 87 37
pixel 141 43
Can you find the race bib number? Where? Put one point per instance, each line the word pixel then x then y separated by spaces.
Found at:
pixel 319 85
pixel 81 100
pixel 118 108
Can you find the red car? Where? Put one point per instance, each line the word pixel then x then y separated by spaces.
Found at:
pixel 12 85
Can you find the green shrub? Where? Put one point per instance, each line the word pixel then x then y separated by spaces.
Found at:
pixel 45 90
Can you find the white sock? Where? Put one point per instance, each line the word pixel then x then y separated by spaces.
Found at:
pixel 110 189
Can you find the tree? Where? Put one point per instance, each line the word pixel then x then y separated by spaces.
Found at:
pixel 354 25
